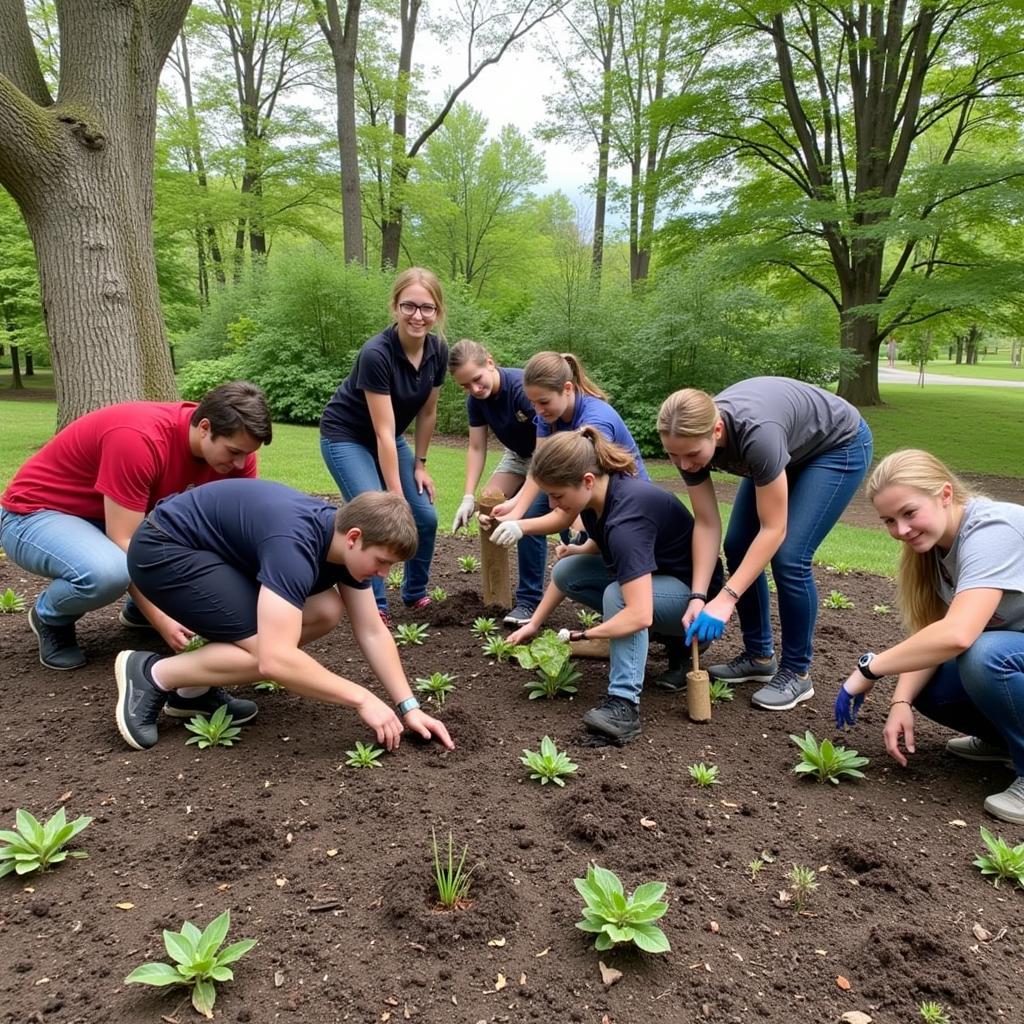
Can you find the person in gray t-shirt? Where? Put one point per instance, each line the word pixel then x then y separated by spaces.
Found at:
pixel 802 453
pixel 961 589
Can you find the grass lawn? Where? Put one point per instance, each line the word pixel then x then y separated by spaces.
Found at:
pixel 993 368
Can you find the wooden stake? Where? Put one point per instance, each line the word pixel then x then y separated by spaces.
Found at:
pixel 494 565
pixel 698 690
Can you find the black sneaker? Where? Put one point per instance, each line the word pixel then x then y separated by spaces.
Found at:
pixel 240 709
pixel 58 645
pixel 139 700
pixel 672 680
pixel 519 616
pixel 616 717
pixel 132 617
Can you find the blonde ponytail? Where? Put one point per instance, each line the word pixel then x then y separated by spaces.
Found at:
pixel 562 460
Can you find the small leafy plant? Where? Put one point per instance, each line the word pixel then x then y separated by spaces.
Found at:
pixel 11 601
pixel 802 883
pixel 614 917
pixel 438 595
pixel 1004 862
pixel 881 609
pixel 587 617
pixel 438 685
pixel 720 691
pixel 194 644
pixel 550 657
pixel 33 846
pixel 451 880
pixel 704 774
pixel 549 763
pixel 269 686
pixel 840 568
pixel 366 755
pixel 484 627
pixel 215 731
pixel 827 760
pixel 498 647
pixel 469 563
pixel 837 599
pixel 410 633
pixel 395 576
pixel 933 1013
pixel 755 867
pixel 197 962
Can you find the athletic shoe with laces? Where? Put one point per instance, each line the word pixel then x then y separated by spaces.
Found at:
pixel 616 717
pixel 673 679
pixel 421 602
pixel 974 748
pixel 131 617
pixel 1008 805
pixel 519 616
pixel 139 699
pixel 58 645
pixel 240 709
pixel 744 669
pixel 785 691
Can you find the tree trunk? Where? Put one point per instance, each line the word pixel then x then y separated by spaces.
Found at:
pixel 16 381
pixel 604 141
pixel 30 369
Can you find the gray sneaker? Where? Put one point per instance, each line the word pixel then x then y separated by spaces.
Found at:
pixel 139 700
pixel 973 748
pixel 785 691
pixel 1008 805
pixel 519 616
pixel 743 669
pixel 240 709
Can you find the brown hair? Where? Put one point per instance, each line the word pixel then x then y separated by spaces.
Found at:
pixel 385 520
pixel 688 413
pixel 427 278
pixel 562 459
pixel 467 351
pixel 235 406
pixel 551 370
pixel 917 589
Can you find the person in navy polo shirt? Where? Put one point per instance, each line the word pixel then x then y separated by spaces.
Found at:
pixel 260 570
pixel 495 400
pixel 395 379
pixel 635 566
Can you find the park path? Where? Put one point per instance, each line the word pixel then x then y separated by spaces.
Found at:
pixel 894 376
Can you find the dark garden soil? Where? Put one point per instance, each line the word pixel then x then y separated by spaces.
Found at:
pixel 329 867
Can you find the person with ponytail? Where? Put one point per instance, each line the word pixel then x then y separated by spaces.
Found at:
pixel 960 590
pixel 495 399
pixel 635 566
pixel 803 453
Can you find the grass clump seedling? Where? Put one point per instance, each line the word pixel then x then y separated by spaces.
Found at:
pixel 498 647
pixel 484 627
pixel 269 686
pixel 410 633
pixel 1003 862
pixel 438 595
pixel 469 563
pixel 704 774
pixel 720 691
pixel 33 846
pixel 802 883
pixel 195 643
pixel 755 867
pixel 881 609
pixel 548 764
pixel 451 880
pixel 586 617
pixel 199 961
pixel 438 685
pixel 395 576
pixel 215 731
pixel 11 601
pixel 838 600
pixel 614 917
pixel 550 657
pixel 827 760
pixel 366 755
pixel 933 1013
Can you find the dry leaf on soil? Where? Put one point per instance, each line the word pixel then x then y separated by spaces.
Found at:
pixel 609 975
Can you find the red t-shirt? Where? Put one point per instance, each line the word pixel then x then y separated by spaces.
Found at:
pixel 135 454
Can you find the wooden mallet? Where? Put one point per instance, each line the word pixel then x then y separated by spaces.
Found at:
pixel 698 690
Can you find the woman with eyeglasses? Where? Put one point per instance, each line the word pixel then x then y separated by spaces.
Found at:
pixel 395 379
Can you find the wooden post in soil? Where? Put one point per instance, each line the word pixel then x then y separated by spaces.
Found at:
pixel 494 566
pixel 698 690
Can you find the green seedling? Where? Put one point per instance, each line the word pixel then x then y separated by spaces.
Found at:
pixel 755 867
pixel 587 618
pixel 837 599
pixel 704 774
pixel 438 595
pixel 1004 862
pixel 933 1013
pixel 827 760
pixel 11 601
pixel 410 633
pixel 840 568
pixel 484 627
pixel 33 846
pixel 438 685
pixel 549 763
pixel 881 609
pixel 195 643
pixel 802 883
pixel 215 731
pixel 614 917
pixel 469 563
pixel 550 657
pixel 366 755
pixel 395 576
pixel 498 647
pixel 199 961
pixel 772 588
pixel 451 880
pixel 269 686
pixel 720 691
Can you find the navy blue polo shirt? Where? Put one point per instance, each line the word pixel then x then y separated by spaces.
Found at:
pixel 383 368
pixel 507 412
pixel 267 531
pixel 642 530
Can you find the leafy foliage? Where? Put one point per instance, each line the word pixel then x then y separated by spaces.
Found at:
pixel 451 880
pixel 613 917
pixel 838 600
pixel 411 633
pixel 720 691
pixel 498 647
pixel 549 763
pixel 704 774
pixel 215 731
pixel 33 846
pixel 550 657
pixel 933 1013
pixel 395 576
pixel 195 643
pixel 484 627
pixel 802 884
pixel 468 563
pixel 11 601
pixel 438 595
pixel 587 617
pixel 269 686
pixel 827 760
pixel 366 755
pixel 1004 862
pixel 438 685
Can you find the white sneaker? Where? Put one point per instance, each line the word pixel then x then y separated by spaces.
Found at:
pixel 1008 805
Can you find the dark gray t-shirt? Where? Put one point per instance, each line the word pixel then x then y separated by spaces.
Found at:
pixel 775 422
pixel 988 553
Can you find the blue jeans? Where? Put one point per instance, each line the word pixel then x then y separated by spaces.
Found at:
pixel 586 579
pixel 88 569
pixel 819 491
pixel 533 557
pixel 982 692
pixel 355 469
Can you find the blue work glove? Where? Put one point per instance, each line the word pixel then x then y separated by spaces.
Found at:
pixel 705 628
pixel 847 706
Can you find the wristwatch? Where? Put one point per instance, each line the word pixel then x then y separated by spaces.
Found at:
pixel 864 667
pixel 407 705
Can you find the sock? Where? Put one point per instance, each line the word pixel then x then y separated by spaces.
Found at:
pixel 151 672
pixel 192 691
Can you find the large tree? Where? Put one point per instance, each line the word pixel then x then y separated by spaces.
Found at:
pixel 80 167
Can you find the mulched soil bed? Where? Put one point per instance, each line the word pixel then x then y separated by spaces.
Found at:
pixel 329 868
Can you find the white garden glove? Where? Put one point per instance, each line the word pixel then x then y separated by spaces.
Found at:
pixel 466 509
pixel 507 534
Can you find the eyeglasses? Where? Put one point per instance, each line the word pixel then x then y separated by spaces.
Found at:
pixel 426 309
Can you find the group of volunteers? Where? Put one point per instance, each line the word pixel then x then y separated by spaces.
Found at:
pixel 128 498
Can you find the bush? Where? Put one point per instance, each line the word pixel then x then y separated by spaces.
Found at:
pixel 201 375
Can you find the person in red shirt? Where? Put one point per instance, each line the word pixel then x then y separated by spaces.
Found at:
pixel 72 508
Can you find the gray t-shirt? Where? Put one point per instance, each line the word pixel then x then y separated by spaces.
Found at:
pixel 774 422
pixel 988 553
